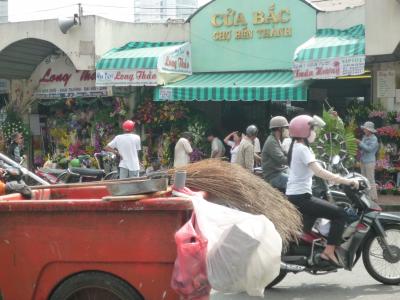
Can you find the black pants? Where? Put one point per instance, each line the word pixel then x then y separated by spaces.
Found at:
pixel 312 208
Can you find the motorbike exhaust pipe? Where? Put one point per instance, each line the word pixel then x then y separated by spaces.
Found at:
pixel 292 268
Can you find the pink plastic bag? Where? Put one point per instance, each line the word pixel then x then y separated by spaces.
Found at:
pixel 189 278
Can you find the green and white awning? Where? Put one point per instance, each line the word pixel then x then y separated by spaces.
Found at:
pixel 331 53
pixel 141 63
pixel 249 86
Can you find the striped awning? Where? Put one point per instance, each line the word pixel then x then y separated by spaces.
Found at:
pixel 246 86
pixel 134 55
pixel 331 53
pixel 144 64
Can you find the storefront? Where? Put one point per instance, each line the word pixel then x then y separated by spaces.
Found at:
pixel 242 62
pixel 70 115
pixel 140 67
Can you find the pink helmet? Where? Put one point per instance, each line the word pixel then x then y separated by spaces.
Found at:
pixel 300 126
pixel 128 126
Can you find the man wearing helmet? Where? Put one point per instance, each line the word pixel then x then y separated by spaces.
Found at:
pixel 127 145
pixel 273 158
pixel 245 155
pixel 303 166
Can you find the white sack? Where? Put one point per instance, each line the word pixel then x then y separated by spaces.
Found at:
pixel 244 250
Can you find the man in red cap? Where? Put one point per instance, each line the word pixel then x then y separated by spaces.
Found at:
pixel 127 145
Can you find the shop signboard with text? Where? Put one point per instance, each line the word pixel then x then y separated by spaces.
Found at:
pixel 134 77
pixel 329 68
pixel 178 60
pixel 57 78
pixel 236 35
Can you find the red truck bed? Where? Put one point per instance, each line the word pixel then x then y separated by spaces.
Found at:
pixel 67 232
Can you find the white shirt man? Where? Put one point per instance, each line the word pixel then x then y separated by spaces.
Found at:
pixel 182 152
pixel 127 144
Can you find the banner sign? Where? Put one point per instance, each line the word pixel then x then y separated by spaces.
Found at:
pixel 329 68
pixel 58 78
pixel 165 93
pixel 386 84
pixel 136 77
pixel 177 60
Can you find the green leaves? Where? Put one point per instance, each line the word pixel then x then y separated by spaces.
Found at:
pixel 335 138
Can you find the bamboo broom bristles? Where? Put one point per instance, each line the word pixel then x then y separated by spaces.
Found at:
pixel 233 186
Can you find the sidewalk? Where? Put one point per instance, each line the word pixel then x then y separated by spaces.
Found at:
pixel 389 202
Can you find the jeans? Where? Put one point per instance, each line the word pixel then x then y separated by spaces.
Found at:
pixel 125 173
pixel 313 208
pixel 368 170
pixel 280 180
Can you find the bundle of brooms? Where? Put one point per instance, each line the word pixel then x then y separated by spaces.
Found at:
pixel 231 185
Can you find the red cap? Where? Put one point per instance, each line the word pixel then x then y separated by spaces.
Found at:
pixel 128 126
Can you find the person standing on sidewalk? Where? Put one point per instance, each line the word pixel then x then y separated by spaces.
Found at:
pixel 245 155
pixel 127 145
pixel 15 151
pixel 182 150
pixel 369 146
pixel 233 140
pixel 217 147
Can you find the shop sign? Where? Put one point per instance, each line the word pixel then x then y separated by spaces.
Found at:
pixel 261 24
pixel 329 68
pixel 177 60
pixel 136 77
pixel 4 86
pixel 165 94
pixel 58 78
pixel 386 84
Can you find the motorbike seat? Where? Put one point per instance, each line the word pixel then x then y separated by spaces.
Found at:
pixel 88 172
pixel 309 237
pixel 55 172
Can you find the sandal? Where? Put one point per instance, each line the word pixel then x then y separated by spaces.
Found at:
pixel 331 261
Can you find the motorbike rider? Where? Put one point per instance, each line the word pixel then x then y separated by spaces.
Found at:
pixel 303 166
pixel 273 158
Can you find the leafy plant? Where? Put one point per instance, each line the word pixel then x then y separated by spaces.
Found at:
pixel 336 139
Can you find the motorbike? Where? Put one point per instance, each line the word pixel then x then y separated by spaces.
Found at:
pixel 105 171
pixel 369 233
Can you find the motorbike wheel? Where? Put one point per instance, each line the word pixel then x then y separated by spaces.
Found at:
pixel 94 285
pixel 277 280
pixel 378 263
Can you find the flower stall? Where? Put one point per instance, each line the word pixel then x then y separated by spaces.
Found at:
pixel 74 127
pixel 162 124
pixel 387 124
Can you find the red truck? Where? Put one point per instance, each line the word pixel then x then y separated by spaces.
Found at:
pixel 67 243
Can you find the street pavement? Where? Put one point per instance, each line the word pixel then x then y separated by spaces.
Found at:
pixel 343 285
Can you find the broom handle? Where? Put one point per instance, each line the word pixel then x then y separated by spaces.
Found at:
pixel 135 197
pixel 87 184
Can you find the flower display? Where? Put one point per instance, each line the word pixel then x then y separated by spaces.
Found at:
pixel 156 114
pixel 83 127
pixel 388 131
pixel 377 114
pixel 11 127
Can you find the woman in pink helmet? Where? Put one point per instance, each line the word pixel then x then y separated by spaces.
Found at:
pixel 303 166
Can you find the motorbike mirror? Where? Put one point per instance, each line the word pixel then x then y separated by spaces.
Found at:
pixel 335 159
